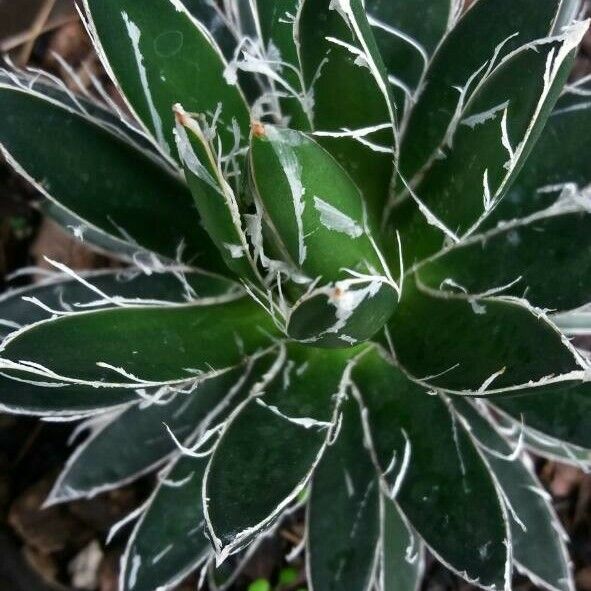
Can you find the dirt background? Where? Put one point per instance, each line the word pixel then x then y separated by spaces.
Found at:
pixel 63 548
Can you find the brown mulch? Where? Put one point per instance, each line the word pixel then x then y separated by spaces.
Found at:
pixel 62 547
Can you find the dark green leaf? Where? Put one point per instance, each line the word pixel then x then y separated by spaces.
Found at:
pixel 434 472
pixel 93 237
pixel 169 541
pixel 555 164
pixel 100 178
pixel 173 526
pixel 22 397
pixel 139 347
pixel 545 258
pixel 317 211
pixel 563 414
pixel 319 220
pixel 478 345
pixel 271 445
pixel 487 144
pixel 81 101
pixel 161 57
pixel 214 197
pixel 277 28
pixel 341 316
pixel 343 512
pixel 539 548
pixel 348 94
pixel 64 293
pixel 542 445
pixel 403 554
pixel 486 26
pixel 137 441
pixel 407 33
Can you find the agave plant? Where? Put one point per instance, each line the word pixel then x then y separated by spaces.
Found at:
pixel 352 236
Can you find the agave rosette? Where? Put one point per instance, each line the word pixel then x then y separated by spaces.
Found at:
pixel 356 238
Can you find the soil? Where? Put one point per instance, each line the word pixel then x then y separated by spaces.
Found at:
pixel 62 548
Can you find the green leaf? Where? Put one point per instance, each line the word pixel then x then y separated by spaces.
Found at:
pixel 63 293
pixel 94 238
pixel 561 414
pixel 487 143
pixel 106 459
pixel 276 20
pixel 439 481
pixel 25 398
pixel 170 538
pixel 103 180
pixel 161 57
pixel 542 445
pixel 316 210
pixel 81 101
pixel 343 512
pixel 403 554
pixel 349 95
pixel 140 347
pixel 407 33
pixel 341 316
pixel 546 258
pixel 488 25
pixel 104 289
pixel 280 434
pixel 168 542
pixel 319 220
pixel 478 345
pixel 539 542
pixel 214 197
pixel 554 165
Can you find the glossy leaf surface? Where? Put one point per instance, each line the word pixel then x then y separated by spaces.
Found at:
pixel 161 57
pixel 554 165
pixel 486 26
pixel 440 482
pixel 277 27
pixel 341 316
pixel 407 33
pixel 111 185
pixel 542 444
pixel 161 345
pixel 172 531
pixel 534 258
pixel 214 197
pixel 539 547
pixel 497 343
pixel 107 460
pixel 348 94
pixel 281 435
pixel 169 540
pixel 563 414
pixel 316 210
pixel 403 553
pixel 65 293
pixel 487 144
pixel 318 218
pixel 344 511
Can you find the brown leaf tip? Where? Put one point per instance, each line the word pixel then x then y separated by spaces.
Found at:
pixel 180 115
pixel 258 129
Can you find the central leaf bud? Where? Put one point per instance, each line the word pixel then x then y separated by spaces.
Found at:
pixel 314 220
